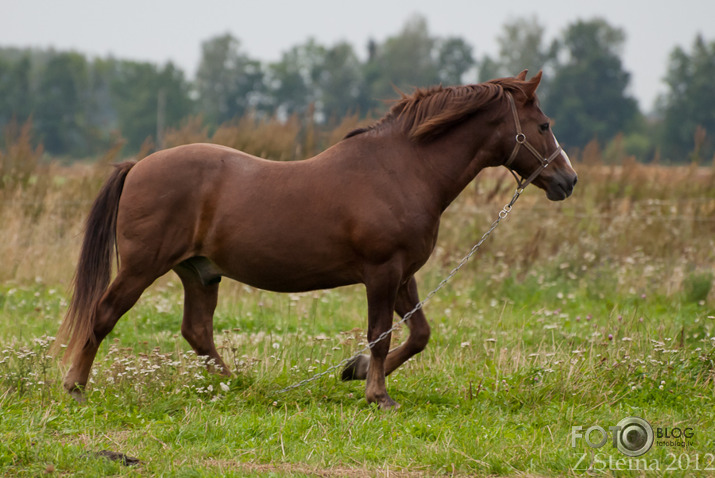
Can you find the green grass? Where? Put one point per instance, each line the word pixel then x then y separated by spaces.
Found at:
pixel 511 367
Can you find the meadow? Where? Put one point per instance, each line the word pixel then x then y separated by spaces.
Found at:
pixel 577 313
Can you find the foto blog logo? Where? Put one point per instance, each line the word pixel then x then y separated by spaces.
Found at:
pixel 632 436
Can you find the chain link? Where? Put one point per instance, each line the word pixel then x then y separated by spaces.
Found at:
pixel 502 215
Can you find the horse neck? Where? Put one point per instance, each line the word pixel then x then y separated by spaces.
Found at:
pixel 453 160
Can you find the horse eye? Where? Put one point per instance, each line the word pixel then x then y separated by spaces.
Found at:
pixel 544 127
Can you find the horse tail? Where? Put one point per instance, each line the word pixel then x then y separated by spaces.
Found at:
pixel 94 268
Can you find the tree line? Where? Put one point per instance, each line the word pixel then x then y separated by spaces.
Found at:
pixel 80 106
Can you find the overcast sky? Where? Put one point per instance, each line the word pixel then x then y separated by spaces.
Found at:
pixel 163 30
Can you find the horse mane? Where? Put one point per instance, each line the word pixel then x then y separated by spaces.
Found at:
pixel 427 113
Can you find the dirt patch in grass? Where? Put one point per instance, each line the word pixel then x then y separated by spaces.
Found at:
pixel 289 468
pixel 341 471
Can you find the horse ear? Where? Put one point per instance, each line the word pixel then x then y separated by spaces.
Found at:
pixel 532 84
pixel 522 76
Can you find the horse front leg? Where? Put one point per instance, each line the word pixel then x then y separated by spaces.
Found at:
pixel 381 295
pixel 407 298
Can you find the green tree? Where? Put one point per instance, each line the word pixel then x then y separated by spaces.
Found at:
pixel 340 82
pixel 15 96
pixel 454 59
pixel 229 83
pixel 136 90
pixel 688 107
pixel 59 110
pixel 293 81
pixel 100 113
pixel 413 58
pixel 403 61
pixel 587 97
pixel 521 47
pixel 327 79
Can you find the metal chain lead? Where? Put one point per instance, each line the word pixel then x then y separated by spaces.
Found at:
pixel 502 215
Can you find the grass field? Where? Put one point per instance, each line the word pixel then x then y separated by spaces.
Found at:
pixel 578 313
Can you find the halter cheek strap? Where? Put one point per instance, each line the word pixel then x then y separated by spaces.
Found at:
pixel 521 140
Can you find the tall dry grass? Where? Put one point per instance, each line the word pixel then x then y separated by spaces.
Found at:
pixel 628 227
pixel 42 209
pixel 638 227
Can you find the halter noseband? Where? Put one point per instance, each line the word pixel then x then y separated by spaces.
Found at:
pixel 522 141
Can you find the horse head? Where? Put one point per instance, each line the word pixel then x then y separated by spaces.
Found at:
pixel 536 155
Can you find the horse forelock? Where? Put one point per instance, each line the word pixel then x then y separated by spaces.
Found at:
pixel 429 112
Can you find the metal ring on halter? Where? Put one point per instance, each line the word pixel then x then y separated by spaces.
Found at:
pixel 520 138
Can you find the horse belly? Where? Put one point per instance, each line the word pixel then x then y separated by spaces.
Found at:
pixel 289 260
pixel 298 273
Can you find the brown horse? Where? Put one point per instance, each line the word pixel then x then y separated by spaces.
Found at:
pixel 367 210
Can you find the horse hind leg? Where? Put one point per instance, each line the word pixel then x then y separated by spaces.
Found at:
pixel 119 297
pixel 407 298
pixel 200 298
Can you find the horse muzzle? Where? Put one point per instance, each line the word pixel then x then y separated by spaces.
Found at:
pixel 560 185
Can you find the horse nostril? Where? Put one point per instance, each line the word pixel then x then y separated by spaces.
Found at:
pixel 575 180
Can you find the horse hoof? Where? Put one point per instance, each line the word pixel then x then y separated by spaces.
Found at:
pixel 384 402
pixel 356 369
pixel 220 370
pixel 78 395
pixel 388 404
